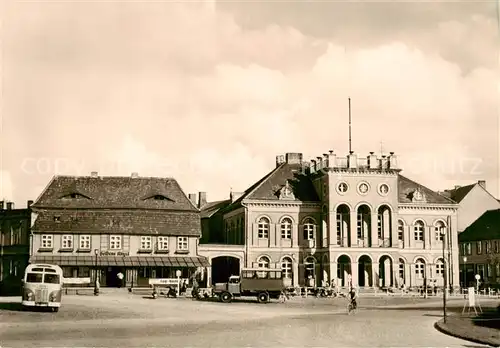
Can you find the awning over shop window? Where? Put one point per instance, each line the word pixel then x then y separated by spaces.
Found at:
pixel 122 261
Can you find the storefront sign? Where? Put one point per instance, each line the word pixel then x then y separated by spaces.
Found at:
pixel 164 281
pixel 76 280
pixel 114 253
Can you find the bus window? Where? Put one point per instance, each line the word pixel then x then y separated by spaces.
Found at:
pixel 50 270
pixel 51 279
pixel 34 278
pixel 37 269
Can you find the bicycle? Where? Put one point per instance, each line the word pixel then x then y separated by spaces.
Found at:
pixel 352 306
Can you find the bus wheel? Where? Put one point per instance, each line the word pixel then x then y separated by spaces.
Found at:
pixel 225 297
pixel 263 297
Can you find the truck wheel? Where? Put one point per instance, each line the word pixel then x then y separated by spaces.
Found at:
pixel 225 297
pixel 263 297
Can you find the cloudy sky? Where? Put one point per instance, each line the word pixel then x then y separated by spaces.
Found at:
pixel 211 93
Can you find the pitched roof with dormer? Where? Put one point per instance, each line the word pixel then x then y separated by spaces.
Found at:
pixel 408 187
pixel 286 176
pixel 486 227
pixel 131 205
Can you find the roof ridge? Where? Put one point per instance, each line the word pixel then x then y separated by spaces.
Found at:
pixel 264 179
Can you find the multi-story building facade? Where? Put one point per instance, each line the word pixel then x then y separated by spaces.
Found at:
pixel 474 200
pixel 349 219
pixel 141 227
pixel 14 245
pixel 480 250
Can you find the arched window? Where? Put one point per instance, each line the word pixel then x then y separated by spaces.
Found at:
pixel 287 267
pixel 286 228
pixel 263 262
pixel 401 230
pixel 420 268
pixel 263 227
pixel 309 267
pixel 418 230
pixel 439 268
pixel 439 230
pixel 308 229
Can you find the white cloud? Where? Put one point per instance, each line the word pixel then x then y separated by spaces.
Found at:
pixel 170 90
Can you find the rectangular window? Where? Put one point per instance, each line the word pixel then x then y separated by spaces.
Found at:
pixel 419 232
pixel 47 241
pixel 182 243
pixel 67 241
pixel 419 270
pixel 468 248
pixel 401 232
pixel 146 242
pixel 439 269
pixel 360 226
pixel 115 242
pixel 83 272
pixel 379 226
pixel 495 246
pixel 438 234
pixel 339 227
pixel 85 242
pixel 479 247
pixel 402 271
pixel 163 243
pixel 488 270
pixel 488 246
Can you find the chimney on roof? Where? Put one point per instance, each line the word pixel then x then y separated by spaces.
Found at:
pixel 202 199
pixel 29 203
pixel 332 159
pixel 94 174
pixel 192 198
pixel 10 205
pixel 135 175
pixel 482 183
pixel 280 159
pixel 293 158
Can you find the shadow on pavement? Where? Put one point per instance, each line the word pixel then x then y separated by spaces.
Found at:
pixel 489 319
pixel 11 306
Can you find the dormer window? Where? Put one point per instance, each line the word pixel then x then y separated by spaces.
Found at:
pixel 160 198
pixel 74 195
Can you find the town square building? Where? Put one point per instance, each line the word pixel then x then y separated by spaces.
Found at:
pixel 140 227
pixel 351 219
pixel 14 245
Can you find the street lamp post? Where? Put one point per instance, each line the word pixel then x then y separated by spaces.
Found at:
pixel 96 282
pixel 443 234
pixel 465 272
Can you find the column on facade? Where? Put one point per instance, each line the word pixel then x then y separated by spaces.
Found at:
pixel 295 235
pixel 375 275
pixel 295 271
pixel 374 230
pixel 394 230
pixel 277 235
pixel 333 273
pixel 428 237
pixel 353 233
pixel 354 273
pixel 410 236
pixel 208 273
pixel 332 228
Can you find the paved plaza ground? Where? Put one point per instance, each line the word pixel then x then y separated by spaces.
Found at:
pixel 127 320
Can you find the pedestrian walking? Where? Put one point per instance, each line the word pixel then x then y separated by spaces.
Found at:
pixel 120 279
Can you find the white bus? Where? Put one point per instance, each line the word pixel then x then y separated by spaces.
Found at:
pixel 42 286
